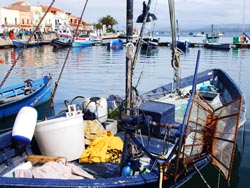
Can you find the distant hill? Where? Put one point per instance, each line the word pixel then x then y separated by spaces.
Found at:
pixel 217 28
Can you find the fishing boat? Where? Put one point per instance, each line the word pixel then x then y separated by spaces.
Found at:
pixel 218 46
pixel 21 43
pixel 114 44
pixel 5 42
pixel 149 43
pixel 82 41
pixel 66 39
pixel 57 43
pixel 183 44
pixel 165 136
pixel 30 93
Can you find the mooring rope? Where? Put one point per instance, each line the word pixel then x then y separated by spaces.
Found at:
pixel 175 62
pixel 66 58
pixel 25 46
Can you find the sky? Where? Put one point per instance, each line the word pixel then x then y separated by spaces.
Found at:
pixel 189 13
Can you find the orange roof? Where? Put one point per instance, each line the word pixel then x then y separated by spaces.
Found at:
pixel 18 3
pixel 52 9
pixel 21 3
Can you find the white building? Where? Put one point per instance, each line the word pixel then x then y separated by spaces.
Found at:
pixel 9 19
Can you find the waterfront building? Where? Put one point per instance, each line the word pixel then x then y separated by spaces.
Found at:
pixel 23 15
pixel 9 20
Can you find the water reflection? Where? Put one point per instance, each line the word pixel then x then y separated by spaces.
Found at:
pixel 149 52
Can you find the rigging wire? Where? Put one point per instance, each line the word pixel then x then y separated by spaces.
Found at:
pixel 25 46
pixel 66 58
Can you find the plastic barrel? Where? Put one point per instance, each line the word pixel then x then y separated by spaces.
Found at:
pixel 99 107
pixel 62 136
pixel 24 126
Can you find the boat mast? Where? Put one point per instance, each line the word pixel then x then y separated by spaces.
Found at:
pixel 129 57
pixel 244 11
pixel 177 28
pixel 175 54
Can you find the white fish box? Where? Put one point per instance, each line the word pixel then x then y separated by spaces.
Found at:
pixel 63 136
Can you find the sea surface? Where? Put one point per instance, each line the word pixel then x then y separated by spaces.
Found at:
pixel 95 71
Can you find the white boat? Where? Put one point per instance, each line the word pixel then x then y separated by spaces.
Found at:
pixel 199 34
pixel 65 38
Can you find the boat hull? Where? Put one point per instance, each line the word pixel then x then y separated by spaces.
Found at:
pixel 183 45
pixel 57 43
pixel 21 44
pixel 82 42
pixel 150 179
pixel 218 46
pixel 11 104
pixel 115 44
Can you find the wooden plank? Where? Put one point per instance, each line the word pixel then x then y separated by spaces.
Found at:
pixel 43 158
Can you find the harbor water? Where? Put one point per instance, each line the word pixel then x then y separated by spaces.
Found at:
pixel 96 72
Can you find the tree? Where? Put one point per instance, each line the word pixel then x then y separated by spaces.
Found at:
pixel 98 26
pixel 109 21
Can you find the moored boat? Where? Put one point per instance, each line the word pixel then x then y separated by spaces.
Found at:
pixel 171 133
pixel 183 44
pixel 115 44
pixel 66 38
pixel 57 43
pixel 21 44
pixel 82 41
pixel 218 46
pixel 30 93
pixel 149 43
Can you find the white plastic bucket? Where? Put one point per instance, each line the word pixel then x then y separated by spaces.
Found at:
pixel 100 108
pixel 63 136
pixel 24 125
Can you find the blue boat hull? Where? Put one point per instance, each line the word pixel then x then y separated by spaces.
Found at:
pixel 14 98
pixel 183 45
pixel 83 43
pixel 114 44
pixel 150 179
pixel 20 44
pixel 218 46
pixel 138 181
